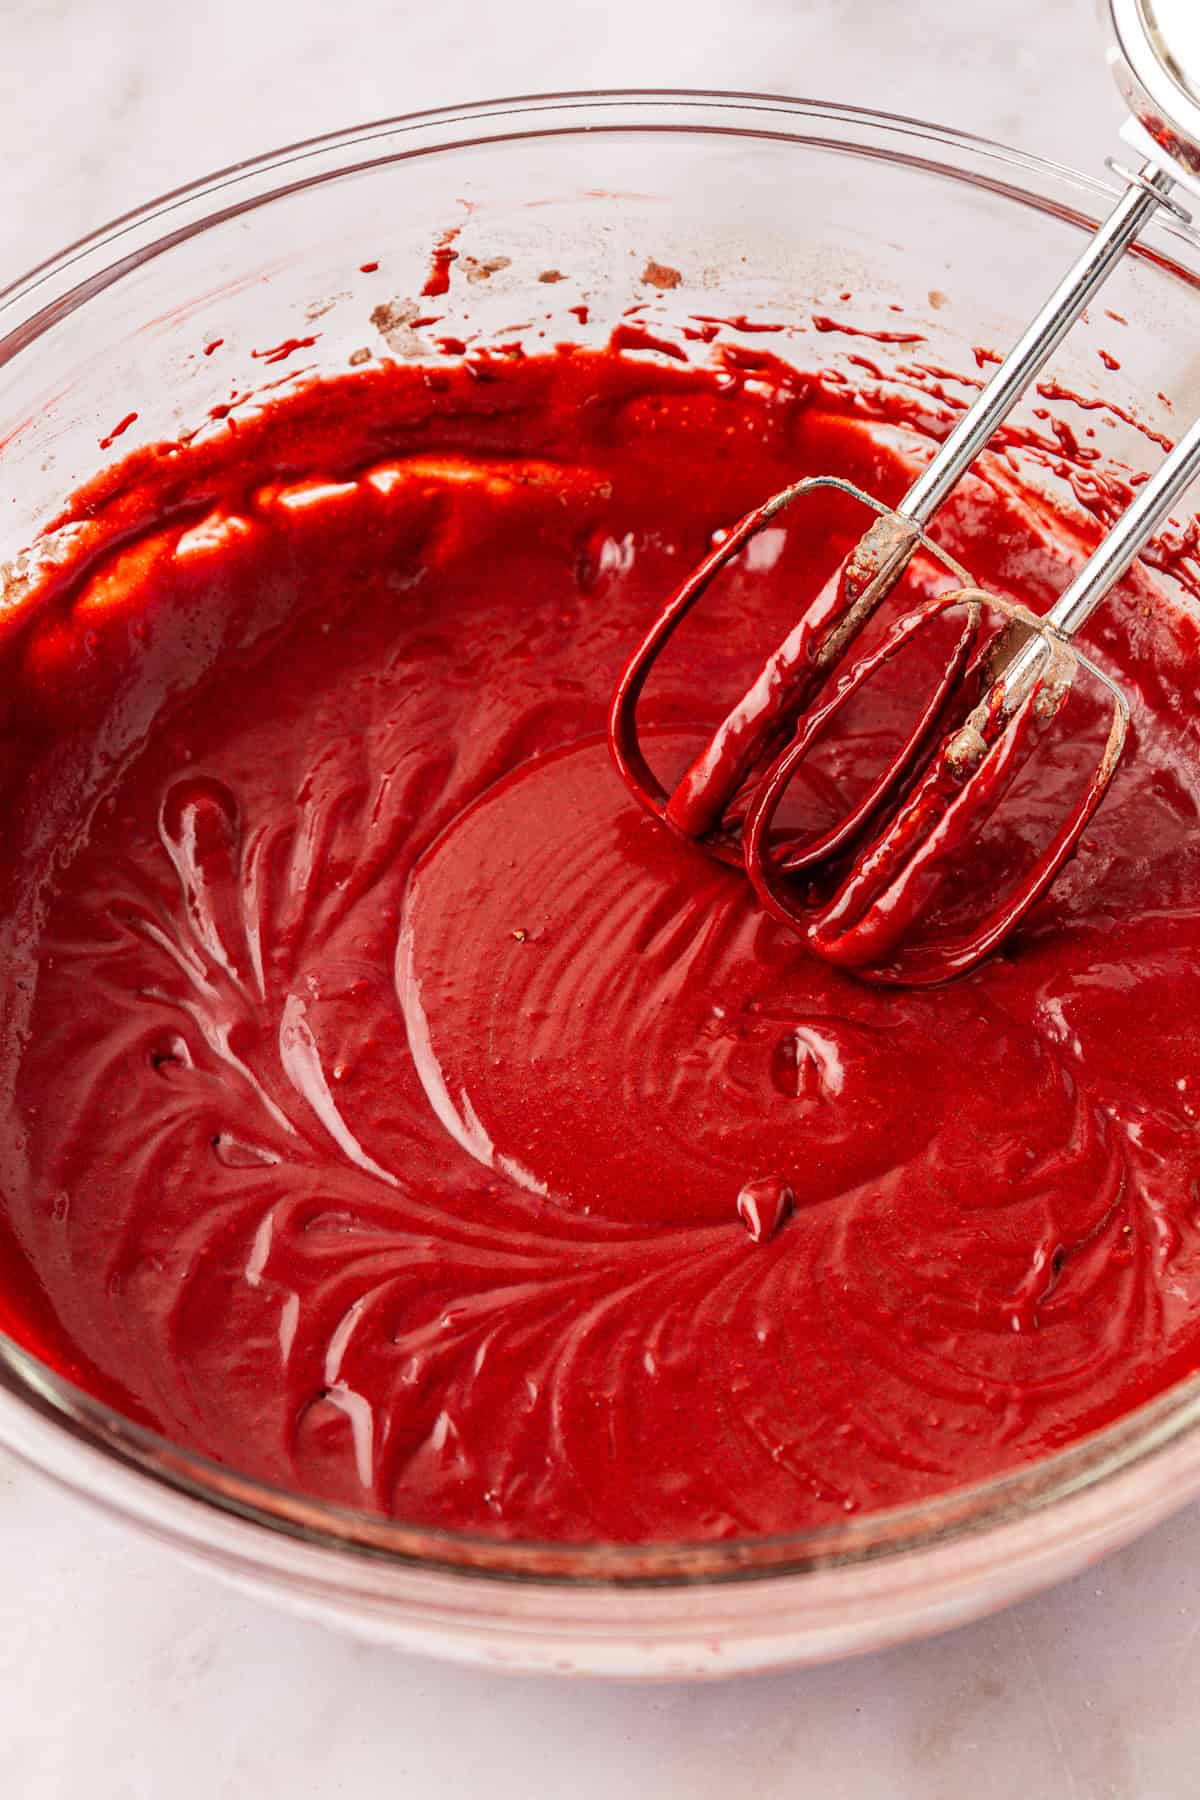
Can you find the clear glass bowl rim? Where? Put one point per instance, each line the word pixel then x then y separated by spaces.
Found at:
pixel 37 301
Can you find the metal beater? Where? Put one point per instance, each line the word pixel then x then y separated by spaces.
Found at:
pixel 918 816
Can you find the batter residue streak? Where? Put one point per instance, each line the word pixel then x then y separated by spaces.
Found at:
pixel 391 1110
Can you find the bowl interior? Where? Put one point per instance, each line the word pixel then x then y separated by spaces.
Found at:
pixel 563 214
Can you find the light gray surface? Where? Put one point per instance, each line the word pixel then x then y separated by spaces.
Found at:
pixel 148 95
pixel 126 1677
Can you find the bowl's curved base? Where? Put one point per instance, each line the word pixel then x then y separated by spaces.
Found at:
pixel 673 1631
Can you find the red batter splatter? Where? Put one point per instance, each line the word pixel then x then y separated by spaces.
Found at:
pixel 1054 390
pixel 280 352
pixel 822 322
pixel 443 258
pixel 118 430
pixel 739 322
pixel 635 337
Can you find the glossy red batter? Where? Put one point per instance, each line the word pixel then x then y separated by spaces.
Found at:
pixel 391 1110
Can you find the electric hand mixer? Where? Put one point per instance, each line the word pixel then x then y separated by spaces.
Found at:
pixel 999 687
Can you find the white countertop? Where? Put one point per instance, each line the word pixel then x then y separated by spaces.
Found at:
pixel 123 1675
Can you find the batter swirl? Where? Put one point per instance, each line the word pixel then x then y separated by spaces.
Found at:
pixel 380 1085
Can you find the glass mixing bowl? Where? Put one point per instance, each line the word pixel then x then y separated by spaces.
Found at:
pixel 574 207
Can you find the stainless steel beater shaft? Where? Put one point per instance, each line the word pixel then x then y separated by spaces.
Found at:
pixel 1111 558
pixel 1148 190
